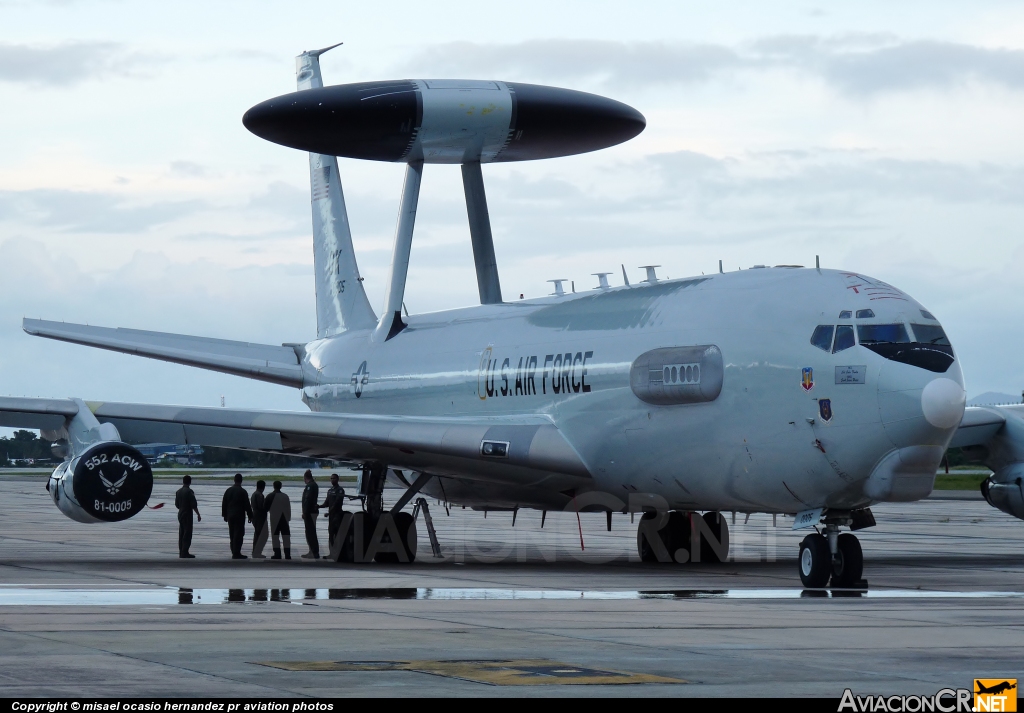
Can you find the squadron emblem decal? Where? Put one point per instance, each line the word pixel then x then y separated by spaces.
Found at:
pixel 807 376
pixel 825 409
pixel 113 487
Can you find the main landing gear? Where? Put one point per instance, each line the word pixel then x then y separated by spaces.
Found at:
pixel 680 537
pixel 831 555
pixel 376 534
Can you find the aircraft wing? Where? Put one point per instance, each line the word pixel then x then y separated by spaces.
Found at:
pixel 265 362
pixel 978 427
pixel 535 450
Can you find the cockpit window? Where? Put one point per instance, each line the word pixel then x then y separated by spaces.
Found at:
pixel 845 314
pixel 822 337
pixel 865 314
pixel 930 334
pixel 844 338
pixel 883 333
pixel 927 315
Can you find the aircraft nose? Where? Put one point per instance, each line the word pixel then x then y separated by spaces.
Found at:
pixel 918 407
pixel 942 402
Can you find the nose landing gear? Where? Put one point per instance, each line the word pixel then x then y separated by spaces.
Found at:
pixel 832 556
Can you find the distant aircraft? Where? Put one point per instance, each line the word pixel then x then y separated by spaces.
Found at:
pixel 793 390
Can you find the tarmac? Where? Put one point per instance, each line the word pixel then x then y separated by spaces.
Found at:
pixel 109 610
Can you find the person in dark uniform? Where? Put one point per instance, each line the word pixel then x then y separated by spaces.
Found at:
pixel 334 502
pixel 310 505
pixel 185 501
pixel 235 508
pixel 279 511
pixel 259 520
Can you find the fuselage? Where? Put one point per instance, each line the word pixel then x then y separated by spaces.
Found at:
pixel 794 426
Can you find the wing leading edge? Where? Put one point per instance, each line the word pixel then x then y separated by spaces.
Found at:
pixel 535 452
pixel 264 362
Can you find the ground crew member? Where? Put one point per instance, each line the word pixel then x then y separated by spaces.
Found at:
pixel 279 510
pixel 235 508
pixel 259 520
pixel 334 502
pixel 185 501
pixel 310 505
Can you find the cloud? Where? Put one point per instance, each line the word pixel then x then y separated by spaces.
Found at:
pixel 88 211
pixel 269 305
pixel 836 173
pixel 868 64
pixel 67 63
pixel 603 62
pixel 189 169
pixel 855 64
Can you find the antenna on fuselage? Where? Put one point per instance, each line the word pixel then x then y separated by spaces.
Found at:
pixel 817 263
pixel 602 280
pixel 652 277
pixel 624 278
pixel 720 270
pixel 559 290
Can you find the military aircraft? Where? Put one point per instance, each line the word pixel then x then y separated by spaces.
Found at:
pixel 788 390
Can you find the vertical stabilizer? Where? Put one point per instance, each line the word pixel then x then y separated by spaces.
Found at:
pixel 340 298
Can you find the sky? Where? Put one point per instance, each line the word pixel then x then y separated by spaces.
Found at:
pixel 883 137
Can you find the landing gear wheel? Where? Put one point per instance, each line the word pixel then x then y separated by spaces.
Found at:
pixel 362 524
pixel 406 527
pixel 848 564
pixel 674 535
pixel 677 536
pixel 815 561
pixel 720 529
pixel 643 546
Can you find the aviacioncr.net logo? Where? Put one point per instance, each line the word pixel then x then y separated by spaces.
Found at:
pixel 947 700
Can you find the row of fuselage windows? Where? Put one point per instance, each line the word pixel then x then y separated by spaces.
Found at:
pixel 836 338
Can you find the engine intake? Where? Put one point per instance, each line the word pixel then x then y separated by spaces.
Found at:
pixel 1005 490
pixel 109 482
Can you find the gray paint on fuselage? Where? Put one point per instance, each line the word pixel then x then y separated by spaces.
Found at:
pixel 756 447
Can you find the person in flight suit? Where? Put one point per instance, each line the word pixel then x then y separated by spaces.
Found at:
pixel 334 502
pixel 235 508
pixel 310 505
pixel 259 520
pixel 185 501
pixel 279 510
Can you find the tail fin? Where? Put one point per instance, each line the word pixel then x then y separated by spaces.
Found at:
pixel 340 298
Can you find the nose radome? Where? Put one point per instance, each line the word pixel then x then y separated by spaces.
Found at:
pixel 942 402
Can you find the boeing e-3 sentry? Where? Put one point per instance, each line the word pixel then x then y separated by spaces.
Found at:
pixel 804 391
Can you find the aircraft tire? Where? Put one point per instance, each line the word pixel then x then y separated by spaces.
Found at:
pixel 677 536
pixel 643 547
pixel 815 563
pixel 848 564
pixel 720 528
pixel 348 548
pixel 406 527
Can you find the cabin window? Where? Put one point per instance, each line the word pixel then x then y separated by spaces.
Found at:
pixel 883 333
pixel 822 337
pixel 865 314
pixel 930 334
pixel 844 338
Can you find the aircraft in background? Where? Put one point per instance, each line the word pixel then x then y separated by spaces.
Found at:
pixel 804 391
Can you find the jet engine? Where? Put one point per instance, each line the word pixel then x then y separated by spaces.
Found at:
pixel 108 482
pixel 1004 490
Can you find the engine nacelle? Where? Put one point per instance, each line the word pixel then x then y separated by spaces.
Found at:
pixel 1004 490
pixel 109 482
